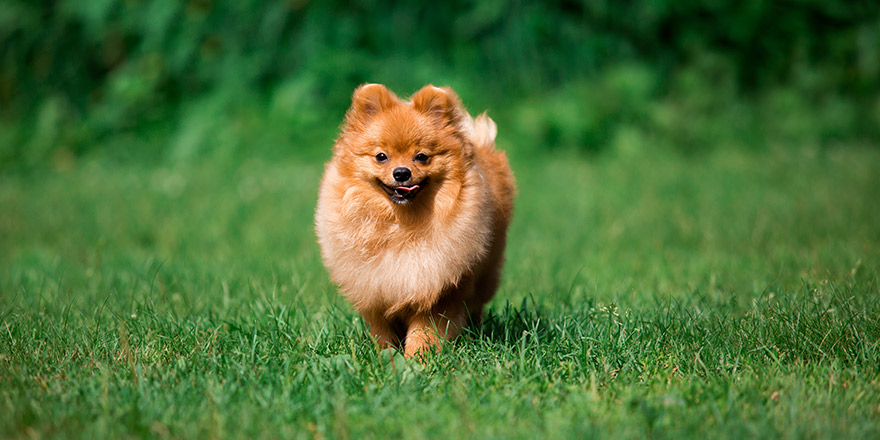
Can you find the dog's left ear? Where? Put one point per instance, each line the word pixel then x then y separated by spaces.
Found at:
pixel 440 103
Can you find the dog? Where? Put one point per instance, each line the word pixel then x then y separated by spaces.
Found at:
pixel 412 215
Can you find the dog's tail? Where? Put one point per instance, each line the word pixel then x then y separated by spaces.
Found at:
pixel 484 132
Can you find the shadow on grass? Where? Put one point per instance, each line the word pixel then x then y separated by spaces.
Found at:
pixel 508 324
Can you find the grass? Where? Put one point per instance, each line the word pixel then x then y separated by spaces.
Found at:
pixel 726 294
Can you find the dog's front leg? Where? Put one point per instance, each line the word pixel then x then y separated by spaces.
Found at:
pixel 427 330
pixel 380 330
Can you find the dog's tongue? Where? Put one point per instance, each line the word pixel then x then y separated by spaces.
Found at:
pixel 405 189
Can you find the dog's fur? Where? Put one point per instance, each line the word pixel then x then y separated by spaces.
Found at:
pixel 417 258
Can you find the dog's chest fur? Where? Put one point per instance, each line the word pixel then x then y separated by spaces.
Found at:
pixel 381 264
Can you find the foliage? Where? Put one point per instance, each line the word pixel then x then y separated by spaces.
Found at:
pixel 74 73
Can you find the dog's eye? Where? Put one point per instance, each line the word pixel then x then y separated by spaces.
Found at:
pixel 421 157
pixel 381 157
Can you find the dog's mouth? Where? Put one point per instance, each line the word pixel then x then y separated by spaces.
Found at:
pixel 402 194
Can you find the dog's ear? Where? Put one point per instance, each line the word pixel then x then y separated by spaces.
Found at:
pixel 368 100
pixel 440 103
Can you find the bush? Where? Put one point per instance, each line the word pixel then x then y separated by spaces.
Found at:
pixel 74 73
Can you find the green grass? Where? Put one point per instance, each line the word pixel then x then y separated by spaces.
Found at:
pixel 726 294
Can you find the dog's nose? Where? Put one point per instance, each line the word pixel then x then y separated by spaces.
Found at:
pixel 401 174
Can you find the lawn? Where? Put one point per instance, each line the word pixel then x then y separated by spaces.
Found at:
pixel 724 293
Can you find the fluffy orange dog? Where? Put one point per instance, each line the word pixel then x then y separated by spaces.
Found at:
pixel 412 214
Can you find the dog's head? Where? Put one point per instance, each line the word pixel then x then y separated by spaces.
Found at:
pixel 403 150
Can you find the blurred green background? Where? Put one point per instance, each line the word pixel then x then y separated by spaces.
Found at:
pixel 167 82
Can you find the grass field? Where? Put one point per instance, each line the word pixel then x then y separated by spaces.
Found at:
pixel 724 294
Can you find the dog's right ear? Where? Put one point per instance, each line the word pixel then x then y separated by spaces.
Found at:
pixel 368 100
